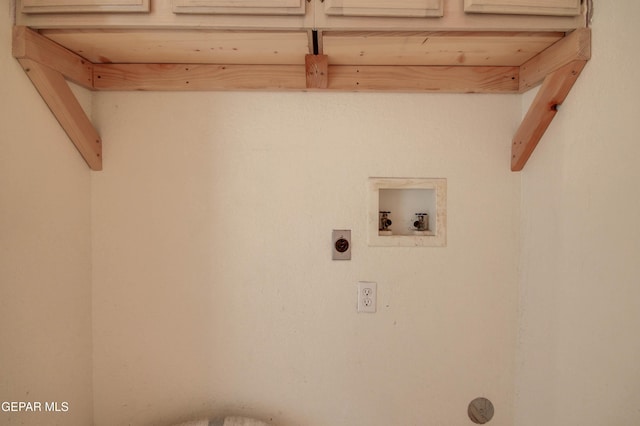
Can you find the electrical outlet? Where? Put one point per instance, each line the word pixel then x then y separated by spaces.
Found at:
pixel 367 296
pixel 341 244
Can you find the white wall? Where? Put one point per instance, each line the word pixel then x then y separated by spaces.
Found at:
pixel 579 344
pixel 214 292
pixel 45 254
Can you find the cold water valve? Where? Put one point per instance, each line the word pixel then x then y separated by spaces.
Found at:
pixel 421 223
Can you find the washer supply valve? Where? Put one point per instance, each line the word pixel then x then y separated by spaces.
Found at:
pixel 422 222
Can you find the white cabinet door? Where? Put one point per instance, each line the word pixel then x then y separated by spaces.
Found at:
pixel 384 8
pixel 73 6
pixel 245 7
pixel 524 7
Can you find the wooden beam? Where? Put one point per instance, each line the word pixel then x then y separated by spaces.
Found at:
pixel 442 79
pixel 317 70
pixel 293 77
pixel 28 44
pixel 554 90
pixel 65 107
pixel 574 47
pixel 198 77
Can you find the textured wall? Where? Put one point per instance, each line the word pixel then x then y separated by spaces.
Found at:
pixel 214 292
pixel 45 255
pixel 580 300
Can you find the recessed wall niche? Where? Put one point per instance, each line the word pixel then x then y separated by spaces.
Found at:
pixel 407 212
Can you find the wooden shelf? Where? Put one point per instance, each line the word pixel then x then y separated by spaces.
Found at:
pixel 477 61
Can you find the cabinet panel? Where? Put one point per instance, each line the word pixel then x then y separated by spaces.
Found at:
pixel 384 8
pixel 73 6
pixel 249 7
pixel 524 7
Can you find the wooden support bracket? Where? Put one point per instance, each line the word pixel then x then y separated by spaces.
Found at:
pixel 574 47
pixel 65 107
pixel 554 90
pixel 558 67
pixel 28 44
pixel 47 64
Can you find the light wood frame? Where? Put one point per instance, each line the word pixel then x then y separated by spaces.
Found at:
pixel 49 65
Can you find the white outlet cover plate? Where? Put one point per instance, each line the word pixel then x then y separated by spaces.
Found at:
pixel 367 296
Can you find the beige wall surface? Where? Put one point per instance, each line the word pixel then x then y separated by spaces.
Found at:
pixel 579 343
pixel 214 288
pixel 45 256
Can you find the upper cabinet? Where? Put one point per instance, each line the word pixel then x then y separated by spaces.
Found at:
pixel 84 6
pixel 371 15
pixel 382 8
pixel 249 7
pixel 204 14
pixel 447 15
pixel 524 7
pixel 307 15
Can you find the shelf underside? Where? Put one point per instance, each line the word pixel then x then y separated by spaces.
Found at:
pixel 290 47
